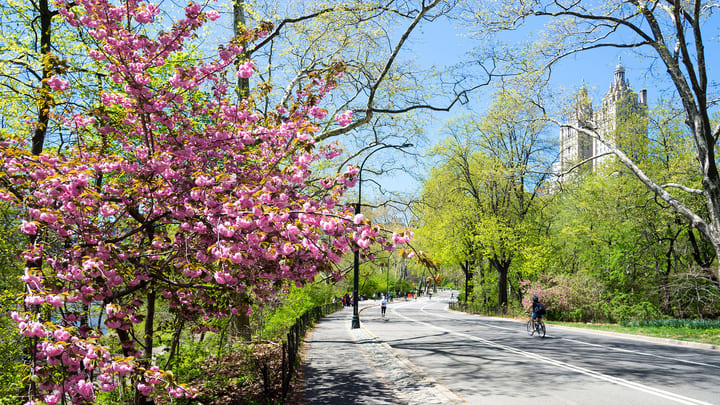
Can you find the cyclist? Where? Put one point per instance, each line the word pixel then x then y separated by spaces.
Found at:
pixel 538 310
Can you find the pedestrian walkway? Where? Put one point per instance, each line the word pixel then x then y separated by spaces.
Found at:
pixel 336 371
pixel 351 366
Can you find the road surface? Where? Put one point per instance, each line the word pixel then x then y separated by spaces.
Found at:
pixel 480 360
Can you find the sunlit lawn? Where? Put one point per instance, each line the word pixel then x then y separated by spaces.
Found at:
pixel 711 335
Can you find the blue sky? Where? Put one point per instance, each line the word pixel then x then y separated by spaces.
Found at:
pixel 440 44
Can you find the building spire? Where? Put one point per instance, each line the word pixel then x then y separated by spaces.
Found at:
pixel 620 75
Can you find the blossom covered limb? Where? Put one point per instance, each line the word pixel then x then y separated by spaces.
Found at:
pixel 171 187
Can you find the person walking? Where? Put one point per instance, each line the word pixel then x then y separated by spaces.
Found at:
pixel 383 306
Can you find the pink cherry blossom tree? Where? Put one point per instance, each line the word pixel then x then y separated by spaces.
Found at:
pixel 174 191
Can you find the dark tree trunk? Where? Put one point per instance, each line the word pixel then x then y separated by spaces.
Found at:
pixel 468 277
pixel 44 102
pixel 502 267
pixel 141 399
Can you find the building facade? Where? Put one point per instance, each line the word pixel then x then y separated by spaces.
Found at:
pixel 621 120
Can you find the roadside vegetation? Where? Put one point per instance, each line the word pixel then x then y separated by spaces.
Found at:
pixel 678 329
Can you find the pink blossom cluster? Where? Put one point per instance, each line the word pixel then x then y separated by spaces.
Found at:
pixel 345 118
pixel 196 201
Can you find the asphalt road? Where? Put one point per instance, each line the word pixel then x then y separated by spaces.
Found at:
pixel 493 361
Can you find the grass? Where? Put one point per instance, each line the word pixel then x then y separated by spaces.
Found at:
pixel 686 332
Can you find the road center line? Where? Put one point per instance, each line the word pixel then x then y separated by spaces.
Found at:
pixel 600 376
pixel 675 359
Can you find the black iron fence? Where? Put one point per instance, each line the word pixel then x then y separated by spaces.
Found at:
pixel 277 392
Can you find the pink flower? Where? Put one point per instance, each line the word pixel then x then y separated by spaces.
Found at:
pixel 33 329
pixel 17 318
pixel 86 389
pixel 212 15
pixel 359 218
pixel 55 300
pixel 204 181
pixel 108 210
pixel 53 350
pixel 246 70
pixel 192 10
pixel 145 389
pixel 113 323
pixel 364 243
pixel 61 335
pixel 96 55
pixel 28 227
pixel 344 119
pixel 52 399
pixel 143 17
pixel 34 300
pixel 317 112
pixel 122 368
pixel 57 83
pixel 48 217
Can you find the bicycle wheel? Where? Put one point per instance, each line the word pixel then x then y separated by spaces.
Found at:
pixel 529 328
pixel 541 328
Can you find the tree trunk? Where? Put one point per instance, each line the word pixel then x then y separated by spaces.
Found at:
pixel 240 322
pixel 502 267
pixel 243 84
pixel 141 399
pixel 502 290
pixel 468 277
pixel 38 139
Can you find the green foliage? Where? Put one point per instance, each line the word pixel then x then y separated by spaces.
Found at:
pixel 11 244
pixel 291 306
pixel 677 323
pixel 625 307
pixel 13 368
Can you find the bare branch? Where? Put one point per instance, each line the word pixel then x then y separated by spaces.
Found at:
pixel 369 110
pixel 683 188
pixel 681 208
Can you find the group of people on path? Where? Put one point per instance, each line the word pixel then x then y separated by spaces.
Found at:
pixel 347 300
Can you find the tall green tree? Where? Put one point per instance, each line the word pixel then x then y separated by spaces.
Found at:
pixel 447 219
pixel 673 36
pixel 499 164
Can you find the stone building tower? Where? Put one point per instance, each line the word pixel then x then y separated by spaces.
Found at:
pixel 620 120
pixel 574 145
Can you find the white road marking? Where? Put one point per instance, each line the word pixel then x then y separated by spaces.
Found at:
pixel 600 376
pixel 619 349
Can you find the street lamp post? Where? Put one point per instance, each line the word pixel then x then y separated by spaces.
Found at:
pixel 387 279
pixel 356 262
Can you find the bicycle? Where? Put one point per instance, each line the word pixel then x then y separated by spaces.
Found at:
pixel 539 327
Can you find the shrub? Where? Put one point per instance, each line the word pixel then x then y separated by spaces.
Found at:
pixel 574 298
pixel 622 308
pixel 14 371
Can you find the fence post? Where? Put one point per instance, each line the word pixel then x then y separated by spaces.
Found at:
pixel 294 338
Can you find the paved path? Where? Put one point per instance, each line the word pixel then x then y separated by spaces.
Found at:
pixel 335 370
pixel 423 354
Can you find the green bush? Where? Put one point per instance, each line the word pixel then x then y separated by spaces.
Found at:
pixel 622 308
pixel 293 304
pixel 700 324
pixel 14 371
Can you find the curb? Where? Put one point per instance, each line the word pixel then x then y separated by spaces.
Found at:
pixel 430 390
